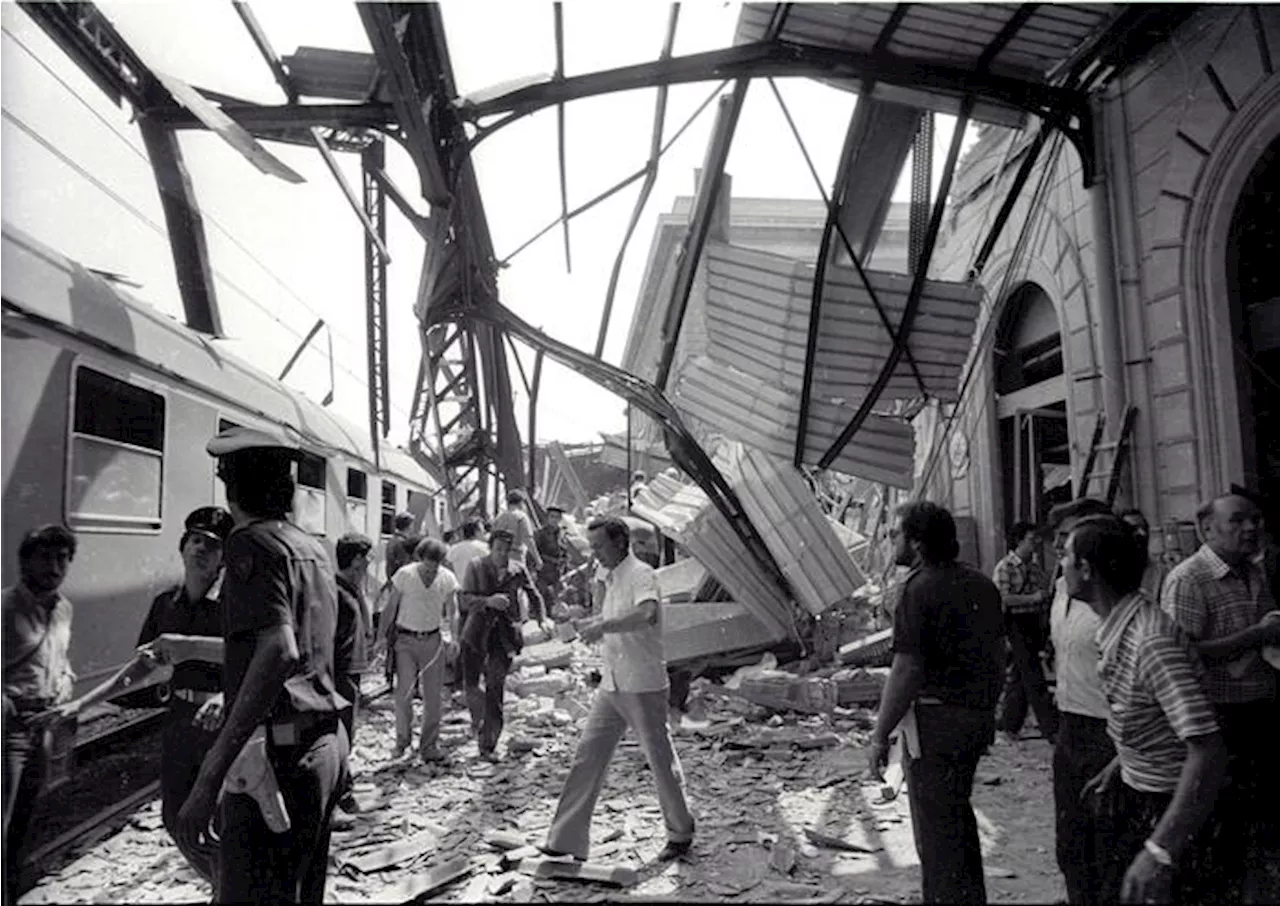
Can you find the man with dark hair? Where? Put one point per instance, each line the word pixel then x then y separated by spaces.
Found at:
pixel 354 636
pixel 632 694
pixel 471 547
pixel 400 545
pixel 1024 589
pixel 1221 599
pixel 196 702
pixel 490 635
pixel 280 615
pixel 947 659
pixel 1083 747
pixel 422 610
pixel 1155 572
pixel 1170 755
pixel 37 676
pixel 553 548
pixel 516 522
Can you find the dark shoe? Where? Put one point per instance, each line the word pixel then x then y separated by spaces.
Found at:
pixel 439 759
pixel 556 854
pixel 490 756
pixel 674 850
pixel 348 804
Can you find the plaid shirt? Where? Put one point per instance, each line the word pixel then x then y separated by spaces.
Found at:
pixel 1152 680
pixel 1209 600
pixel 1015 576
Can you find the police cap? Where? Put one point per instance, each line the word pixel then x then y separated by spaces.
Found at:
pixel 211 521
pixel 237 439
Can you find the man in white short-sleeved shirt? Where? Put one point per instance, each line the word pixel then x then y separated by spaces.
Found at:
pixel 423 604
pixel 632 694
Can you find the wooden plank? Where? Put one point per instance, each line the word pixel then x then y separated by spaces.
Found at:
pixel 572 870
pixel 413 889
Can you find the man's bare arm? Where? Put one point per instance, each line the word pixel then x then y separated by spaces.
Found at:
pixel 643 614
pixel 1194 798
pixel 275 655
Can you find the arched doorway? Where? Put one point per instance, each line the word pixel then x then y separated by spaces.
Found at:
pixel 1031 407
pixel 1253 285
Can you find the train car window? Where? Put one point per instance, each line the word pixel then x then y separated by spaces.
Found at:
pixel 310 498
pixel 388 507
pixel 357 501
pixel 116 470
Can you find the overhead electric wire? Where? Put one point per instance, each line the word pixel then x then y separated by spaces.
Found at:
pixel 127 205
pixel 142 155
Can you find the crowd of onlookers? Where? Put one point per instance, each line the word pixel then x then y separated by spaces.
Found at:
pixel 1164 687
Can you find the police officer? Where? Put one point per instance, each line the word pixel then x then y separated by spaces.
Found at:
pixel 195 702
pixel 280 611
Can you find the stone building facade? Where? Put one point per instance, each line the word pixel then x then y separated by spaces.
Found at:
pixel 1157 282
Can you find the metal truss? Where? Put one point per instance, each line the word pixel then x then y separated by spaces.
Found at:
pixel 375 281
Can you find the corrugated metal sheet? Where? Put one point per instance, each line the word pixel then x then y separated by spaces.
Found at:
pixel 698 629
pixel 707 536
pixel 796 531
pixel 764 416
pixel 343 75
pixel 758 315
pixel 42 282
pixel 955 34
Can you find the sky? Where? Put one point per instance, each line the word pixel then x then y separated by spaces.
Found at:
pixel 74 176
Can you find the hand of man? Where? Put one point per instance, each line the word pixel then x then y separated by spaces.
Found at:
pixel 1269 628
pixel 209 717
pixel 193 826
pixel 1101 782
pixel 496 602
pixel 877 758
pixel 1146 881
pixel 591 630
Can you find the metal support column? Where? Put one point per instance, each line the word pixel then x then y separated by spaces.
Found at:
pixel 375 288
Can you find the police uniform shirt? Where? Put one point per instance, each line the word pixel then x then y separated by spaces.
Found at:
pixel 172 611
pixel 278 575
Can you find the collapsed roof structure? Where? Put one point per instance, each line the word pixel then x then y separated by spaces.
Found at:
pixel 805 364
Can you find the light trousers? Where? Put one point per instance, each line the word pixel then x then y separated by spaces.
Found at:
pixel 419 664
pixel 612 713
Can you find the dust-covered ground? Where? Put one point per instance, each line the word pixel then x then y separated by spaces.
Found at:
pixel 757 782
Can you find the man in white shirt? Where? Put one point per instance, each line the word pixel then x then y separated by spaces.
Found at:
pixel 632 694
pixel 424 601
pixel 1082 748
pixel 471 547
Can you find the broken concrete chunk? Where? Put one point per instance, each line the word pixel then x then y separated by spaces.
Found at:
pixel 389 855
pixel 411 889
pixel 505 840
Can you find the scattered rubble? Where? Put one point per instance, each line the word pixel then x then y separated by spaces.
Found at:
pixel 774 773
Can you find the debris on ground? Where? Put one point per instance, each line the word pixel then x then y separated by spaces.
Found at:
pixel 783 810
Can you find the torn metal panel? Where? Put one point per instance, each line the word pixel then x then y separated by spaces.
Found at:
pixel 342 75
pixel 227 129
pixel 798 533
pixel 685 513
pixel 702 628
pixel 763 415
pixel 758 317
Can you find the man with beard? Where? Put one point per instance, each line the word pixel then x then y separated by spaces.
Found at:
pixel 947 666
pixel 280 613
pixel 195 699
pixel 490 636
pixel 37 676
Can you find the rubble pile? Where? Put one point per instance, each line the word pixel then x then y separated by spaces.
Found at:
pixel 776 782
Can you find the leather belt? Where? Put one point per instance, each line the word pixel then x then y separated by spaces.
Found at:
pixel 193 696
pixel 301 728
pixel 417 633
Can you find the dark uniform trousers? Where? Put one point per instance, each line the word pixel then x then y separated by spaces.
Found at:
pixel 182 749
pixel 25 766
pixel 258 866
pixel 1024 681
pixel 492 663
pixel 939 785
pixel 1082 750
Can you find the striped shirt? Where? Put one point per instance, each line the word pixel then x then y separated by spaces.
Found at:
pixel 1209 600
pixel 1015 576
pixel 1152 680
